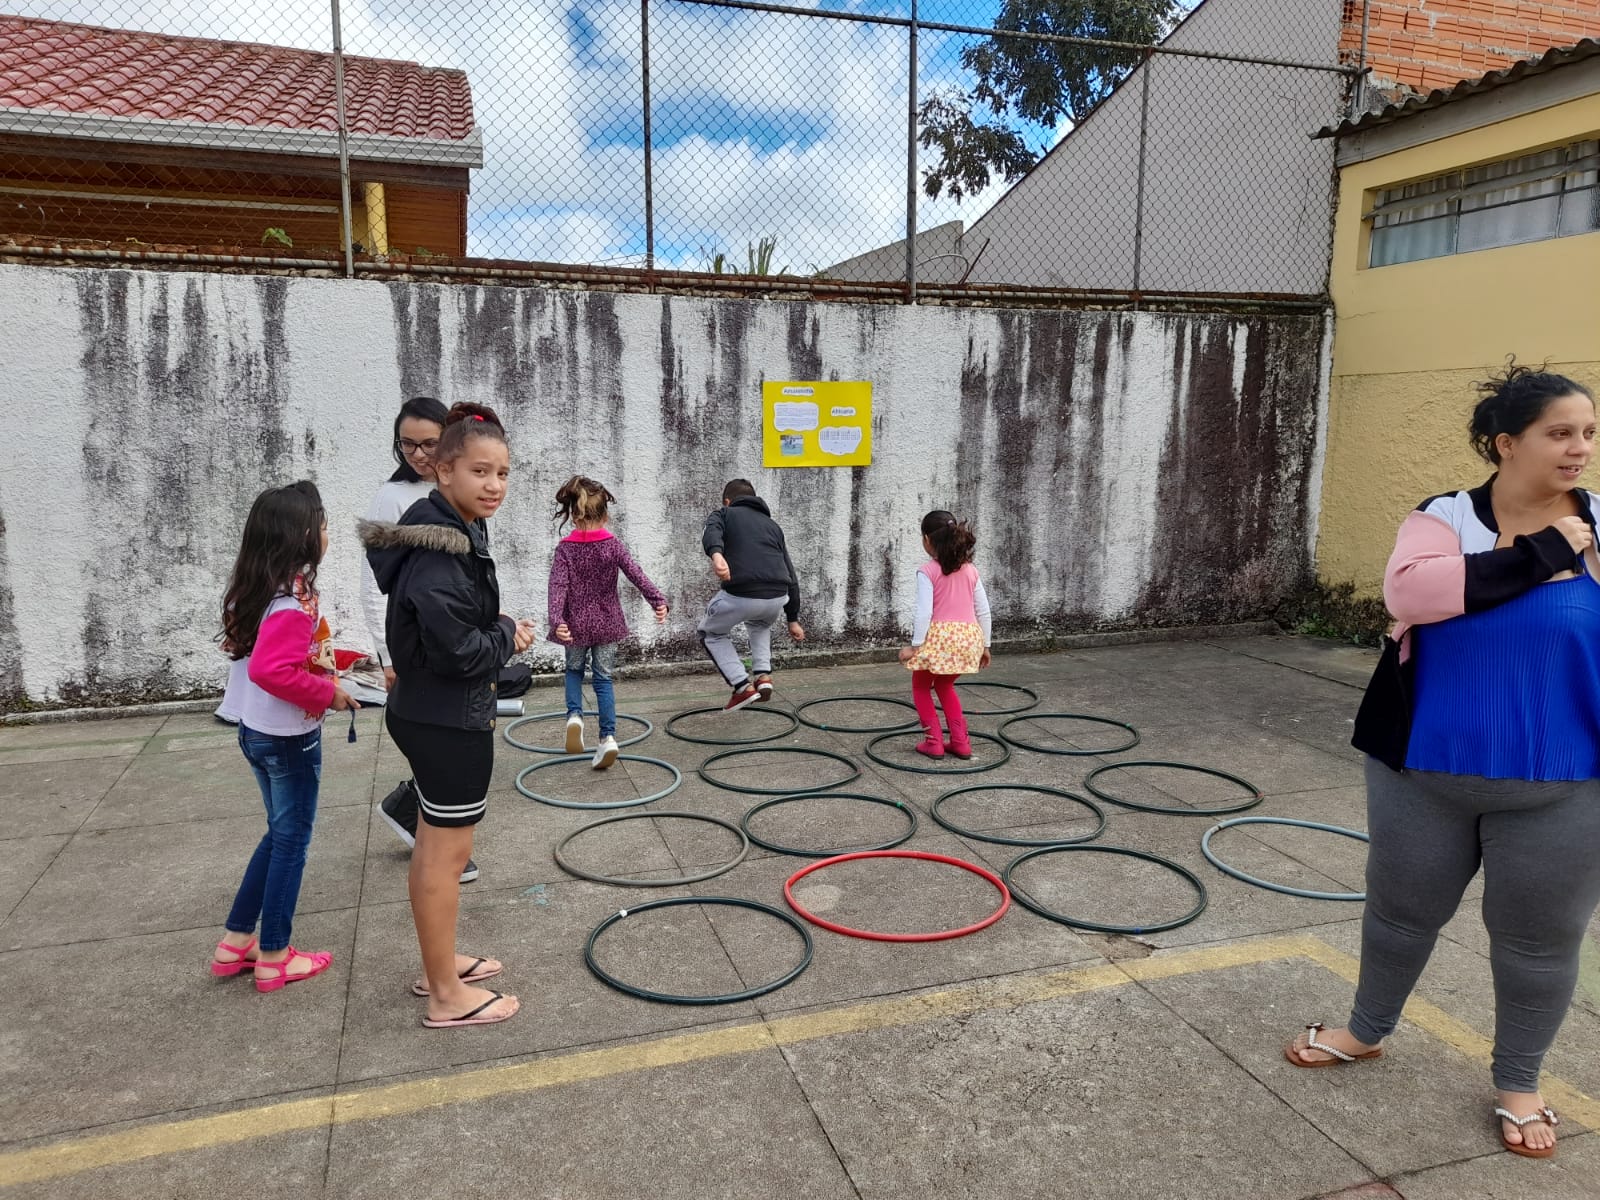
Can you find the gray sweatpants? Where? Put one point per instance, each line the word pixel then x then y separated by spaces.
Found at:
pixel 724 614
pixel 1539 845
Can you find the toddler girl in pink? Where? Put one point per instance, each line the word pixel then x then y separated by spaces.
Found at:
pixel 951 633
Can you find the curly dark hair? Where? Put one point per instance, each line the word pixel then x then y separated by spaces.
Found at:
pixel 1511 400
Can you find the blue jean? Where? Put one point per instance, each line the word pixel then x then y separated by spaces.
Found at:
pixel 602 660
pixel 288 770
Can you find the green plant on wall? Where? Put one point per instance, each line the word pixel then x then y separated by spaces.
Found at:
pixel 273 235
pixel 758 260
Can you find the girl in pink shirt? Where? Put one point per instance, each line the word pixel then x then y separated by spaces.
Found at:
pixel 951 633
pixel 281 683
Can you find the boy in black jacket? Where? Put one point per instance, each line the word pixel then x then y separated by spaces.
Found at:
pixel 748 554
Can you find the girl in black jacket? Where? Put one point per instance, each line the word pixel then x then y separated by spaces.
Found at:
pixel 448 640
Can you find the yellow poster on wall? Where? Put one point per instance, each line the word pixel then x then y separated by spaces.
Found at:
pixel 816 424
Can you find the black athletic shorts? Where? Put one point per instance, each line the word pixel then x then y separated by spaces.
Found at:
pixel 450 767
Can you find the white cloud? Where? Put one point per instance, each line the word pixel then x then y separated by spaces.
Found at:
pixel 818 160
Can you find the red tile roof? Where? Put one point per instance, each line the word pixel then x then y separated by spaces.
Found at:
pixel 85 69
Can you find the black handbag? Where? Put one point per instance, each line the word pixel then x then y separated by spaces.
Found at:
pixel 1383 722
pixel 514 680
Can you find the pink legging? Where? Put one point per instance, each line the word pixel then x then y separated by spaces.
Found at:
pixel 923 685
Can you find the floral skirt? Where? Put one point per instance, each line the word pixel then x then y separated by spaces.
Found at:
pixel 951 648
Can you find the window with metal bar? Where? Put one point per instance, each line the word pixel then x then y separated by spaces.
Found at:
pixel 1549 194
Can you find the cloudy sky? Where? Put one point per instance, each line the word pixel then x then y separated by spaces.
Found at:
pixel 764 125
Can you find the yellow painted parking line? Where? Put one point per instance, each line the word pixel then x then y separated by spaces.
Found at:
pixel 374 1103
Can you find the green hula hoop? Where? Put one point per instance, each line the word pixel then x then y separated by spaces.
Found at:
pixel 792 921
pixel 628 880
pixel 1030 903
pixel 1205 848
pixel 1255 797
pixel 910 723
pixel 855 771
pixel 794 723
pixel 677 779
pixel 744 823
pixel 1064 716
pixel 588 712
pixel 1019 787
pixel 971 768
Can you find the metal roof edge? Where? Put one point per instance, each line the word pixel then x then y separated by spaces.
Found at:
pixel 1552 59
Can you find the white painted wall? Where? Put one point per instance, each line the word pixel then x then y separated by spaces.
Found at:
pixel 1122 469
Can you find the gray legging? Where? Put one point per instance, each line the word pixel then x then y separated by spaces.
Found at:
pixel 1539 844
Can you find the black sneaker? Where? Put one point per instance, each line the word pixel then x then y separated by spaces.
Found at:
pixel 471 873
pixel 399 811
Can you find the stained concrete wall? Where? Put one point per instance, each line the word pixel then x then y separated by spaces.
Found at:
pixel 1121 469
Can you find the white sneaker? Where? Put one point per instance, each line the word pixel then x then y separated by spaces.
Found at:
pixel 606 754
pixel 575 734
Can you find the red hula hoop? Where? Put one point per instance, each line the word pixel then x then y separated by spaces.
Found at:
pixel 870 935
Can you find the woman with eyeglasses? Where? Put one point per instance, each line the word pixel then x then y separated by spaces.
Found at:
pixel 416 436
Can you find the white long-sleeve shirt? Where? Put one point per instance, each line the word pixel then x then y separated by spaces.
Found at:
pixel 924 613
pixel 391 502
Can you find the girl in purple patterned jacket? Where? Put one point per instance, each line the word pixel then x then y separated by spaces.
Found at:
pixel 585 614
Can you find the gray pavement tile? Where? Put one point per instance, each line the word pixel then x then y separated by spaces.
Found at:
pixel 1570 1175
pixel 138 1027
pixel 1276 764
pixel 69 751
pixel 66 733
pixel 282 1166
pixel 1350 665
pixel 24 860
pixel 54 797
pixel 110 883
pixel 1118 890
pixel 1443 1095
pixel 732 1126
pixel 882 895
pixel 1100 1095
pixel 206 785
pixel 539 933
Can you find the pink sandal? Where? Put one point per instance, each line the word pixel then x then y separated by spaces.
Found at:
pixel 321 960
pixel 237 963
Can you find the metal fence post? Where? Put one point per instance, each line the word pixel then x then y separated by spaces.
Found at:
pixel 344 145
pixel 1138 202
pixel 911 163
pixel 649 165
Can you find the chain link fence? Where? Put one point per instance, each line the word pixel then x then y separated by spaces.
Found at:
pixel 903 149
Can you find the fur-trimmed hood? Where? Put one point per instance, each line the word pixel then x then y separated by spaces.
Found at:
pixel 391 535
pixel 429 525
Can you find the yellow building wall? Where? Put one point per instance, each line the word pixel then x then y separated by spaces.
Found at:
pixel 1410 339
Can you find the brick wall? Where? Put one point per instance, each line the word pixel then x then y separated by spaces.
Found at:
pixel 1428 44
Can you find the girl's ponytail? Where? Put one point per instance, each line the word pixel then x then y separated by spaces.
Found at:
pixel 581 499
pixel 952 540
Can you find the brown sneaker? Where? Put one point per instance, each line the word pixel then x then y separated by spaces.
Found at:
pixel 763 688
pixel 742 695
